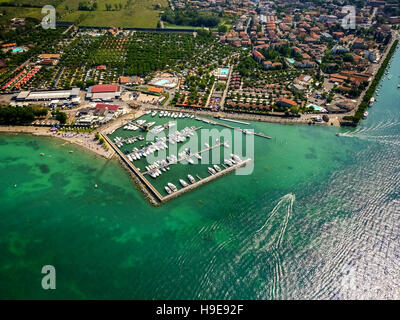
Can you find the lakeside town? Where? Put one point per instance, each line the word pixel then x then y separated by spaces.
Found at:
pixel 275 61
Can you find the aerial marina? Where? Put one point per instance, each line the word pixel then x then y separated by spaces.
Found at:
pixel 165 151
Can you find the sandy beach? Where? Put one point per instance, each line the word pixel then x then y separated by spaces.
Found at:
pixel 85 140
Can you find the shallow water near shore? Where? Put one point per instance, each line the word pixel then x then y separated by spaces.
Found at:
pixel 318 218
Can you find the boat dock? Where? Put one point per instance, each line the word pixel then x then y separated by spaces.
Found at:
pixel 185 158
pixel 259 134
pixel 126 140
pixel 205 180
pixel 235 121
pixel 134 169
pixel 176 194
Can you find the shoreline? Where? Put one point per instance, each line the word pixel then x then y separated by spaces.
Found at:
pixel 304 120
pixel 373 86
pixel 84 140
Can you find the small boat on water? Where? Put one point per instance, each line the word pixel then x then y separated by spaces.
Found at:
pixel 228 162
pixel 172 187
pixel 183 183
pixel 217 168
pixel 247 132
pixel 365 115
pixel 236 158
pixel 371 101
pixel 211 171
pixel 168 190
pixel 191 179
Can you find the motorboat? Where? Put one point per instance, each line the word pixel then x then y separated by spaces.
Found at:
pixel 217 168
pixel 183 183
pixel 236 158
pixel 172 187
pixel 228 162
pixel 191 179
pixel 168 190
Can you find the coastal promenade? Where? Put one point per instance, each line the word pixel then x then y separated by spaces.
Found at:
pixel 304 119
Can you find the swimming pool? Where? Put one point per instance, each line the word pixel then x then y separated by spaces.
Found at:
pixel 224 71
pixel 316 108
pixel 290 60
pixel 18 50
pixel 161 82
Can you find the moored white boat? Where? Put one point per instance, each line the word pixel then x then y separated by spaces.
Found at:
pixel 191 179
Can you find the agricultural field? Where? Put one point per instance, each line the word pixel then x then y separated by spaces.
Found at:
pixel 106 13
pixel 9 13
pixel 121 13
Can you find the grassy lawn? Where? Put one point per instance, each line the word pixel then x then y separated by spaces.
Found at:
pixel 36 3
pixel 133 13
pixel 16 12
pixel 139 14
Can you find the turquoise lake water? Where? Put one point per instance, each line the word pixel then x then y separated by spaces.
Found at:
pixel 317 219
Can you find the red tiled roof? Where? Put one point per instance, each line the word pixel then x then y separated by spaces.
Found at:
pixel 153 89
pixel 105 88
pixel 111 107
pixel 258 55
pixel 6 45
pixel 287 101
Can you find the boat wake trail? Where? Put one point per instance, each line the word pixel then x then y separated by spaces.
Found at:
pixel 392 140
pixel 269 238
pixel 263 238
pixel 377 127
pixel 374 133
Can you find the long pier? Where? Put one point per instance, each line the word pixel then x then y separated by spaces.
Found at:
pixel 235 121
pixel 126 140
pixel 206 180
pixel 134 169
pixel 190 187
pixel 166 140
pixel 259 134
pixel 185 158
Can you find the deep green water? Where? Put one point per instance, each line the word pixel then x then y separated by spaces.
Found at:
pixel 318 218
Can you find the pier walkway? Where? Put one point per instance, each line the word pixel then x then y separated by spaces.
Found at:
pixel 205 180
pixel 185 158
pixel 190 187
pixel 134 169
pixel 235 121
pixel 233 128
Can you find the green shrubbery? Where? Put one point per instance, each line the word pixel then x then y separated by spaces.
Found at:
pixel 20 116
pixel 370 92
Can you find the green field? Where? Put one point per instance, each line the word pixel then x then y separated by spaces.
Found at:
pixel 122 13
pixel 12 12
